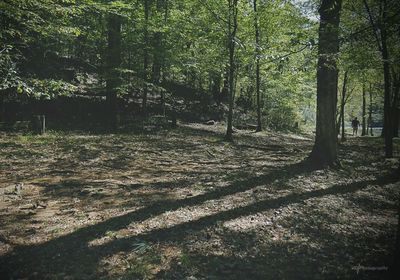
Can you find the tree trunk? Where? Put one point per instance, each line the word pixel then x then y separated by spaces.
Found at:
pixel 2 105
pixel 364 123
pixel 257 54
pixel 396 109
pixel 39 124
pixel 325 148
pixel 158 45
pixel 232 28
pixel 387 122
pixel 396 122
pixel 381 40
pixel 158 55
pixel 370 111
pixel 394 268
pixel 215 88
pixel 369 116
pixel 113 63
pixel 342 104
pixel 145 55
pixel 338 124
pixel 163 56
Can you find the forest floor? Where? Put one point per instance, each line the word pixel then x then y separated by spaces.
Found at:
pixel 183 204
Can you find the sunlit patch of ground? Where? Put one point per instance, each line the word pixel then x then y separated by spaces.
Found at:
pixel 183 204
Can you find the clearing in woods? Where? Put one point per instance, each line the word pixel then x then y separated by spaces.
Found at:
pixel 182 204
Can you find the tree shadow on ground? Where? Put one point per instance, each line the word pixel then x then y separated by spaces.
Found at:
pixel 76 244
pixel 72 255
pixel 279 260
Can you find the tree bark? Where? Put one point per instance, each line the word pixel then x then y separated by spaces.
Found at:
pixel 387 123
pixel 370 111
pixel 158 53
pixel 113 63
pixel 369 114
pixel 325 147
pixel 257 54
pixel 342 105
pixel 2 105
pixel 396 122
pixel 232 28
pixel 395 106
pixel 364 105
pixel 158 45
pixel 394 268
pixel 380 33
pixel 163 56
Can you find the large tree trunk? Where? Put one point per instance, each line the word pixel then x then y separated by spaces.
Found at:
pixel 325 148
pixel 257 54
pixel 113 63
pixel 232 22
pixel 364 105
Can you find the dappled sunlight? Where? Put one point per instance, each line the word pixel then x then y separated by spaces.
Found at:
pixel 199 139
pixel 170 205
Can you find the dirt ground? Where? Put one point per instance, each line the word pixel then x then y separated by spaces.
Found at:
pixel 183 204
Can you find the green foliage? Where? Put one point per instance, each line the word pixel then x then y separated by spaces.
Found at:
pixel 42 40
pixel 9 76
pixel 281 114
pixel 49 89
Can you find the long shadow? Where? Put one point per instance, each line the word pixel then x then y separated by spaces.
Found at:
pixel 272 261
pixel 276 264
pixel 71 253
pixel 177 232
pixel 26 256
pixel 294 259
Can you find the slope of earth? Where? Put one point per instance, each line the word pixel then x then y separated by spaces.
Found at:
pixel 182 204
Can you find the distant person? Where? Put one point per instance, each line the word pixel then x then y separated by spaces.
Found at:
pixel 355 124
